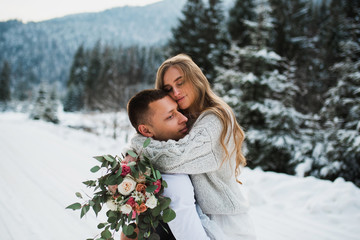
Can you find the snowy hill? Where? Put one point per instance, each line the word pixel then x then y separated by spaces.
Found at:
pixel 45 49
pixel 42 166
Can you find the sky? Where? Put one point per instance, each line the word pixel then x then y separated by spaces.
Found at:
pixel 39 10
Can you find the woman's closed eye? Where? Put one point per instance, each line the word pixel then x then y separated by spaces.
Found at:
pixel 179 83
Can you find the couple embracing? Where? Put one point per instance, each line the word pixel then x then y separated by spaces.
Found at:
pixel 197 145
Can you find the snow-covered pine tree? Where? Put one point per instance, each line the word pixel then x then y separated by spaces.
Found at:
pixel 51 108
pixel 39 104
pixel 46 105
pixel 341 111
pixel 259 85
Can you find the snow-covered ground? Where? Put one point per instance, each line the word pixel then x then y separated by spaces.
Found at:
pixel 42 165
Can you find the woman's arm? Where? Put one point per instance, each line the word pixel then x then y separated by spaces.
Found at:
pixel 198 152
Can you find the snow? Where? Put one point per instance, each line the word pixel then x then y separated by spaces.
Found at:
pixel 42 166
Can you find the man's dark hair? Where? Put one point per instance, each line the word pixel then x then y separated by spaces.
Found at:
pixel 138 106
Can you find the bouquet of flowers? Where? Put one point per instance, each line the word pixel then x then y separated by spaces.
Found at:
pixel 132 190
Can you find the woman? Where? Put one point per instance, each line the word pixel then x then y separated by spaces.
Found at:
pixel 211 153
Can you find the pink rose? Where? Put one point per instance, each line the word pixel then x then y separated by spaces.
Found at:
pixel 157 183
pixel 131 202
pixel 125 170
pixel 128 159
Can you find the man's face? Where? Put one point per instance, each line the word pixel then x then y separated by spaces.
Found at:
pixel 166 122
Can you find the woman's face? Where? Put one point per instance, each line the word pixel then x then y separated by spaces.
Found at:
pixel 178 88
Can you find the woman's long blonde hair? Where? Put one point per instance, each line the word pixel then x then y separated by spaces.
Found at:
pixel 207 100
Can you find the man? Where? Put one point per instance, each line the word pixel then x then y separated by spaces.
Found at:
pixel 154 114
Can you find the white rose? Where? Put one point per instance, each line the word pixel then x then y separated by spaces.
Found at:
pixel 151 202
pixel 126 208
pixel 112 204
pixel 127 186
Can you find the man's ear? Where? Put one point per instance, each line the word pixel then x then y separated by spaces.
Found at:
pixel 145 131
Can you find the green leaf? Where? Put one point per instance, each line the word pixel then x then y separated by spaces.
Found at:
pixel 147 142
pixel 157 174
pixel 164 203
pixel 78 195
pixel 131 164
pixel 95 169
pixel 119 172
pixel 168 215
pixel 142 166
pixel 146 159
pixel 132 153
pixel 118 226
pixel 112 219
pixel 84 210
pixel 156 211
pixel 130 230
pixel 90 183
pixel 109 158
pixel 99 158
pixel 151 188
pixel 164 183
pixel 74 206
pixel 130 216
pixel 114 165
pixel 106 234
pixel 111 213
pixel 134 172
pixel 101 225
pixel 154 236
pixel 111 180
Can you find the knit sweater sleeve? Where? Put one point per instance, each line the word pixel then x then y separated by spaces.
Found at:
pixel 198 152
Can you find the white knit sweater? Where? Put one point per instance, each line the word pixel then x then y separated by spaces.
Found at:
pixel 200 154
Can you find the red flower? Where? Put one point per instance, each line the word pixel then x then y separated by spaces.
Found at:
pixel 131 202
pixel 157 183
pixel 125 170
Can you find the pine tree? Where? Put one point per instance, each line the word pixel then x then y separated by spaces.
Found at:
pixel 259 85
pixel 240 15
pixel 290 20
pixel 45 106
pixel 39 104
pixel 187 35
pixel 200 36
pixel 74 99
pixel 51 108
pixel 5 94
pixel 93 75
pixel 341 111
pixel 216 42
